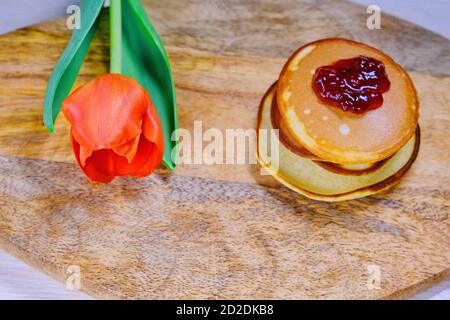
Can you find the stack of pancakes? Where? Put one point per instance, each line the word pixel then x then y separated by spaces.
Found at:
pixel 329 154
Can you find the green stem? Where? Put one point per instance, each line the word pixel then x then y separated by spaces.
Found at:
pixel 115 15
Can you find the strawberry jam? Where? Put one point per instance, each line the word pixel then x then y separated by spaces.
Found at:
pixel 354 85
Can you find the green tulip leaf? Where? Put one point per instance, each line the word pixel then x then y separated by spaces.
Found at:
pixel 138 52
pixel 68 66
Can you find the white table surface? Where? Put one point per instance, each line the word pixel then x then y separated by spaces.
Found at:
pixel 21 281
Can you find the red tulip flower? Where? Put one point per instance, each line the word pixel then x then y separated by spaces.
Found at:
pixel 115 128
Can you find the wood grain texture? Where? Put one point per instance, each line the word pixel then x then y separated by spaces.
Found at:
pixel 222 231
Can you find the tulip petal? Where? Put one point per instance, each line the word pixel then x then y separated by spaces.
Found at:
pixel 90 170
pixel 84 154
pixel 97 176
pixel 128 149
pixel 105 162
pixel 147 159
pixel 106 112
pixel 152 130
pixel 104 165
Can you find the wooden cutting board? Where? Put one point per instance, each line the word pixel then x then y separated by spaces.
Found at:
pixel 222 231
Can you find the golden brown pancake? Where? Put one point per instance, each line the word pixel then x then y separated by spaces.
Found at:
pixel 285 136
pixel 340 136
pixel 289 142
pixel 307 177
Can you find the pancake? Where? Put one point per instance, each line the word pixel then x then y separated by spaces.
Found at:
pixel 311 179
pixel 289 142
pixel 338 136
pixel 285 136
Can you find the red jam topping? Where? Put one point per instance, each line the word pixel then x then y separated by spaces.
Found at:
pixel 354 85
